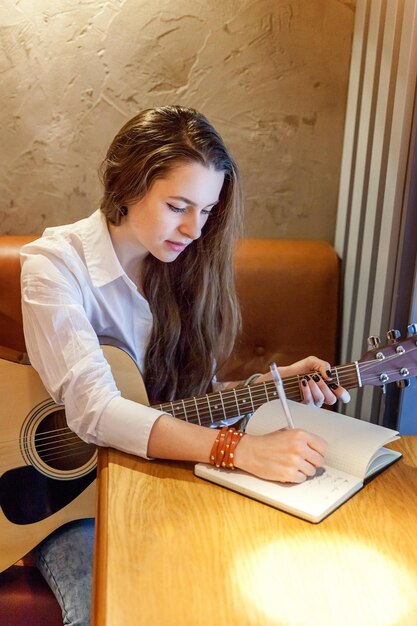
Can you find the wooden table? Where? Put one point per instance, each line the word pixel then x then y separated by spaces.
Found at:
pixel 175 550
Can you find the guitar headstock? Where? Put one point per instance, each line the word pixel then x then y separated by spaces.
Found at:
pixel 396 361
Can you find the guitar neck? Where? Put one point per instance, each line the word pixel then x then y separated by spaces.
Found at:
pixel 214 407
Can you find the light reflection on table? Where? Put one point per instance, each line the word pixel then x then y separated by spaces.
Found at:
pixel 370 588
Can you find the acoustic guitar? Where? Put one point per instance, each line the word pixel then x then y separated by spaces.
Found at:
pixel 48 473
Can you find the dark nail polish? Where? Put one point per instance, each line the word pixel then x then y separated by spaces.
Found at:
pixel 316 378
pixel 333 385
pixel 304 382
pixel 329 374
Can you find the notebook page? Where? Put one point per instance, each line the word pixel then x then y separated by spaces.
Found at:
pixel 352 443
pixel 312 500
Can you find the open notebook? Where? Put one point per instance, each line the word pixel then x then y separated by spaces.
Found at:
pixel 354 453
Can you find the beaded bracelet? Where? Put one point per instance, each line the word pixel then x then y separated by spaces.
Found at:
pixel 230 450
pixel 223 450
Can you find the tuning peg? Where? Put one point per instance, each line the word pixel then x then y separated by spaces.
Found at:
pixel 412 329
pixel 402 384
pixel 374 342
pixel 393 335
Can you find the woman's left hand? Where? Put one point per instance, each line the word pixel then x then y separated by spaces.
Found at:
pixel 316 383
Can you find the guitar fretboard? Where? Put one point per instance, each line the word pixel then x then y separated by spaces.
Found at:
pixel 225 405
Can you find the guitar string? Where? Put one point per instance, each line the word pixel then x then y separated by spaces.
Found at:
pixel 240 393
pixel 343 379
pixel 59 447
pixel 74 451
pixel 291 385
pixel 255 393
pixel 49 434
pixel 55 443
pixel 260 391
pixel 69 439
pixel 39 438
pixel 258 395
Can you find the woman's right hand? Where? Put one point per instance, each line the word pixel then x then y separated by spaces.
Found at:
pixel 287 455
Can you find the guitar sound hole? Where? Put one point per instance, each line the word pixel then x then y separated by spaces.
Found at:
pixel 58 446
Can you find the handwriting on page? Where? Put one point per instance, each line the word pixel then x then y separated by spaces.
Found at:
pixel 326 485
pixel 327 481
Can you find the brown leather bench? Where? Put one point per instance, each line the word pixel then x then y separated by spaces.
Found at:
pixel 289 293
pixel 25 598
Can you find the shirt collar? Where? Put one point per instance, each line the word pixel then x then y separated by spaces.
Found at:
pixel 101 259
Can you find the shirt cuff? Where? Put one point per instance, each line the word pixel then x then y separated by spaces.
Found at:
pixel 126 426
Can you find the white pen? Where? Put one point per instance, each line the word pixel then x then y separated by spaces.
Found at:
pixel 276 377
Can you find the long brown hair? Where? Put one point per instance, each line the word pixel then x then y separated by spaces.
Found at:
pixel 193 300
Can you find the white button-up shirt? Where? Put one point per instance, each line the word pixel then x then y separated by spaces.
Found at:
pixel 74 290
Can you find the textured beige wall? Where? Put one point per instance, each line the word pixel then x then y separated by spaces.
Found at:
pixel 270 74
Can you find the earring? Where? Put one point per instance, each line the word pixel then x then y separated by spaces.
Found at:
pixel 123 211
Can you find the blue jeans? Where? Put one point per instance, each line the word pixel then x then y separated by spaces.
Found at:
pixel 65 559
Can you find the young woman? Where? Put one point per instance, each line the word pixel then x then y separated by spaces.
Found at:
pixel 152 269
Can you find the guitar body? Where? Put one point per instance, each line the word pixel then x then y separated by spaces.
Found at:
pixel 47 473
